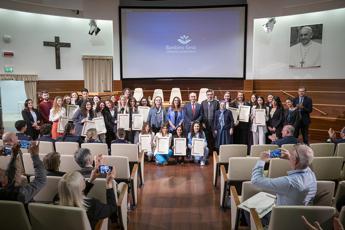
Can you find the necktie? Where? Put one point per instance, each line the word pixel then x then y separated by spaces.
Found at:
pixel 193 109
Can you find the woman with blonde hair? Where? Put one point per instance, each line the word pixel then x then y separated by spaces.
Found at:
pixel 55 114
pixel 73 190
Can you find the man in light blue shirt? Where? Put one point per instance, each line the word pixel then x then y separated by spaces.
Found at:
pixel 299 186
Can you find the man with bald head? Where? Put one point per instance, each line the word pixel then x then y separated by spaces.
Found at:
pixel 287 136
pixel 306 53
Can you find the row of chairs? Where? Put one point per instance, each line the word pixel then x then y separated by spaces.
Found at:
pixel 227 151
pixel 240 169
pixel 175 92
pixel 56 217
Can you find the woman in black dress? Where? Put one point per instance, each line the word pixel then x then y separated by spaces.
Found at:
pixel 32 118
pixel 276 117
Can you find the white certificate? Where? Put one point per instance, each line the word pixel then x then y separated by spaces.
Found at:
pixel 100 125
pixel 180 146
pixel 88 125
pixel 137 121
pixel 244 113
pixel 146 142
pixel 71 109
pixel 62 123
pixel 260 117
pixel 144 110
pixel 234 112
pixel 123 121
pixel 163 144
pixel 198 146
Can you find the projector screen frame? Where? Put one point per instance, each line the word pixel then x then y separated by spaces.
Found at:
pixel 186 7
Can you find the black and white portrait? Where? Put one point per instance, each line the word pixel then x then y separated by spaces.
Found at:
pixel 305 46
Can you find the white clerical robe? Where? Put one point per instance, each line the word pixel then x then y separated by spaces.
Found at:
pixel 305 56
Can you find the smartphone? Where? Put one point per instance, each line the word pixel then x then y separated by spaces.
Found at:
pixel 25 144
pixel 104 169
pixel 7 151
pixel 275 153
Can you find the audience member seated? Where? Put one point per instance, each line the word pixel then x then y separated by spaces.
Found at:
pixel 337 225
pixel 298 187
pixel 10 139
pixel 92 136
pixel 333 136
pixel 51 163
pixel 69 135
pixel 45 133
pixel 12 186
pixel 73 190
pixel 121 137
pixel 21 129
pixel 83 158
pixel 288 136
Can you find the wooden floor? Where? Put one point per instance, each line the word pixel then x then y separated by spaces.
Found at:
pixel 178 197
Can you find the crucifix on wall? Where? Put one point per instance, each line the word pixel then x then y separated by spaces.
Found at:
pixel 57 44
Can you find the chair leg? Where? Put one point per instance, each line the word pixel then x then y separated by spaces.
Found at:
pixel 217 174
pixel 225 194
pixel 133 195
pixel 140 176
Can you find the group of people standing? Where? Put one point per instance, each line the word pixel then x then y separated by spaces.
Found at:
pixel 210 120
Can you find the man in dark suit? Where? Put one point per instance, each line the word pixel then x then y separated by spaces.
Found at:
pixel 288 136
pixel 208 110
pixel 304 105
pixel 192 112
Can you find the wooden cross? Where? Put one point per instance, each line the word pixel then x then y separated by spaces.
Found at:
pixel 57 44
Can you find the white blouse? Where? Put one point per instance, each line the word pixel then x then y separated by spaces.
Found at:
pixel 56 116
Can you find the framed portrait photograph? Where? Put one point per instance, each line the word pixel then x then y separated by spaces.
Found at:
pixel 305 46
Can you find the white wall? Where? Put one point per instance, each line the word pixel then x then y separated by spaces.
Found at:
pixel 29 30
pixel 271 50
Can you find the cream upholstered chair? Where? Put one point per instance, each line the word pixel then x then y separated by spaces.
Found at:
pixel 202 95
pixel 156 93
pixel 96 148
pixel 57 217
pixel 256 150
pixel 123 174
pixel 46 147
pixel 324 194
pixel 340 192
pixel 327 168
pixel 278 167
pixel 175 92
pixel 68 164
pixel 28 164
pixel 13 215
pixel 340 150
pixel 138 94
pixel 289 147
pixel 66 148
pixel 4 160
pixel 323 149
pixel 225 152
pixel 342 216
pixel 49 191
pixel 134 156
pixel 290 217
pixel 239 170
pixel 98 191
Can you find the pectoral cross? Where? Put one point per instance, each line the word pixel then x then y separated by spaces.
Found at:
pixel 57 44
pixel 302 63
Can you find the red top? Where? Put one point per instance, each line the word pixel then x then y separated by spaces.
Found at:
pixel 44 109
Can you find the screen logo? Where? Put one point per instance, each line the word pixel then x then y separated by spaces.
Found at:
pixel 184 40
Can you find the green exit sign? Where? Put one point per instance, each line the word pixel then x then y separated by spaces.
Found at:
pixel 8 69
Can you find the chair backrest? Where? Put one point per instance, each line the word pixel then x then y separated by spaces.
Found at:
pixel 327 168
pixel 138 94
pixel 68 164
pixel 256 150
pixel 4 160
pixel 249 190
pixel 342 216
pixel 278 167
pixel 156 93
pixel 13 215
pixel 289 217
pixel 202 94
pixel 57 217
pixel 50 189
pixel 227 151
pixel 323 149
pixel 96 148
pixel 121 165
pixel 28 164
pixel 240 168
pixel 324 194
pixel 46 147
pixel 175 92
pixel 289 147
pixel 66 148
pixel 340 191
pixel 340 150
pixel 126 150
